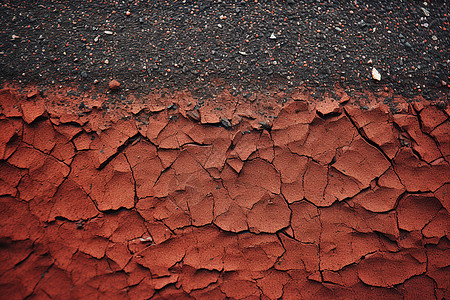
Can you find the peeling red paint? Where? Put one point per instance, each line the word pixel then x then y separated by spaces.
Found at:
pixel 155 200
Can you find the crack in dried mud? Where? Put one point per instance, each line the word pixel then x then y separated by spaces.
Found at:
pixel 329 201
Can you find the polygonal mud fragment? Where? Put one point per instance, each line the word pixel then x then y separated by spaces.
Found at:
pixel 443 194
pixel 314 184
pixel 422 143
pixel 440 134
pixel 340 186
pixel 256 178
pixel 377 126
pixel 245 143
pixel 362 162
pixel 346 236
pixel 348 277
pixel 388 269
pixel 17 222
pixel 83 141
pixel 113 186
pixel 269 214
pixel 325 137
pixel 72 203
pixel 272 283
pixel 298 256
pixel 32 109
pixel 265 147
pixel 239 288
pixel 327 106
pixel 32 268
pixel 211 292
pixel 165 210
pixel 437 266
pixel 382 197
pixel 415 211
pixel 145 165
pixel 291 166
pixel 9 103
pixel 431 117
pixel 305 222
pixel 419 287
pixel 236 164
pixel 439 226
pixel 159 258
pixel 296 112
pixel 45 173
pixel 13 252
pixel 67 130
pixel 173 135
pixel 300 287
pixel 109 284
pixel 55 284
pixel 215 250
pixel 10 177
pixel 143 289
pixel 418 176
pixel 193 279
pixel 188 187
pixel 63 240
pixel 64 150
pixel 228 215
pixel 293 137
pixel 119 253
pixel 10 133
pixel 108 141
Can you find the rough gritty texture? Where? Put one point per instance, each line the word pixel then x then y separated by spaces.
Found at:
pixel 247 44
pixel 151 201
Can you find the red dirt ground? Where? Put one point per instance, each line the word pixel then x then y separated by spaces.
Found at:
pixel 267 197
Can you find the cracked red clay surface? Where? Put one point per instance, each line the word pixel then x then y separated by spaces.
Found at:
pixel 157 199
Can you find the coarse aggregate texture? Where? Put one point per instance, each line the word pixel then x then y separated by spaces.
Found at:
pixel 246 44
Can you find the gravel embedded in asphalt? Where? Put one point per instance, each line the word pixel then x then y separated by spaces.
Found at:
pixel 251 44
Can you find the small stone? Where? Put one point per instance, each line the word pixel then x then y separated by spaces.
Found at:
pixel 145 240
pixel 425 12
pixel 114 85
pixel 434 38
pixel 375 74
pixel 272 36
pixel 127 13
pixel 96 39
pixel 226 123
pixel 108 32
pixel 338 29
